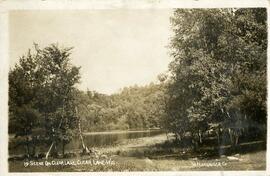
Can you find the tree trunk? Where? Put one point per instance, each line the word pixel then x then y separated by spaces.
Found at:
pixel 200 136
pixel 34 150
pixel 55 150
pixel 48 152
pixel 85 148
pixel 195 141
pixel 167 135
pixel 236 140
pixel 63 148
pixel 233 137
pixel 53 143
pixel 27 147
pixel 196 145
pixel 218 138
pixel 180 138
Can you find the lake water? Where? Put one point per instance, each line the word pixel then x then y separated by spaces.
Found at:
pixel 94 139
pixel 103 139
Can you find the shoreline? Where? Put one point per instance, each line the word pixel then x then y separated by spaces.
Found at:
pixel 120 131
pixel 145 154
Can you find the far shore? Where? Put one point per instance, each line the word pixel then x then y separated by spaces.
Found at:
pixel 112 131
pixel 119 131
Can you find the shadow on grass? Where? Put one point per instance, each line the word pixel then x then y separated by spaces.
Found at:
pixel 184 151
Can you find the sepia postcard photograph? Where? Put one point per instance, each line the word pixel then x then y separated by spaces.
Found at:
pixel 136 89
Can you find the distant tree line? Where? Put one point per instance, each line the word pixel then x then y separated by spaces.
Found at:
pixel 134 107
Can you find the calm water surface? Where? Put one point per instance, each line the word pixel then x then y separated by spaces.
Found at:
pixel 102 139
pixel 95 139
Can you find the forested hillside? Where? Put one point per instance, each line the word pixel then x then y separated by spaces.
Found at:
pixel 134 107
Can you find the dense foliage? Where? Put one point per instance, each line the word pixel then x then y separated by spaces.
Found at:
pixel 132 108
pixel 41 96
pixel 218 72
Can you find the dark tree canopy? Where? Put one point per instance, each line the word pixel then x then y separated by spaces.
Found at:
pixel 218 72
pixel 41 94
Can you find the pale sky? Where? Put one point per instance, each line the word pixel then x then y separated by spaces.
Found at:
pixel 115 48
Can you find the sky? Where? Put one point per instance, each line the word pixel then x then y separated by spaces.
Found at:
pixel 115 48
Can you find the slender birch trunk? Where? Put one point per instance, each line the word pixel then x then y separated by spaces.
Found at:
pixel 85 148
pixel 49 151
pixel 53 143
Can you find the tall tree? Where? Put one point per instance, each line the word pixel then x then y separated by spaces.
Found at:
pixel 45 80
pixel 24 117
pixel 218 69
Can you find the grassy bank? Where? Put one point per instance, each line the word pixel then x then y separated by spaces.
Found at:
pixel 154 154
